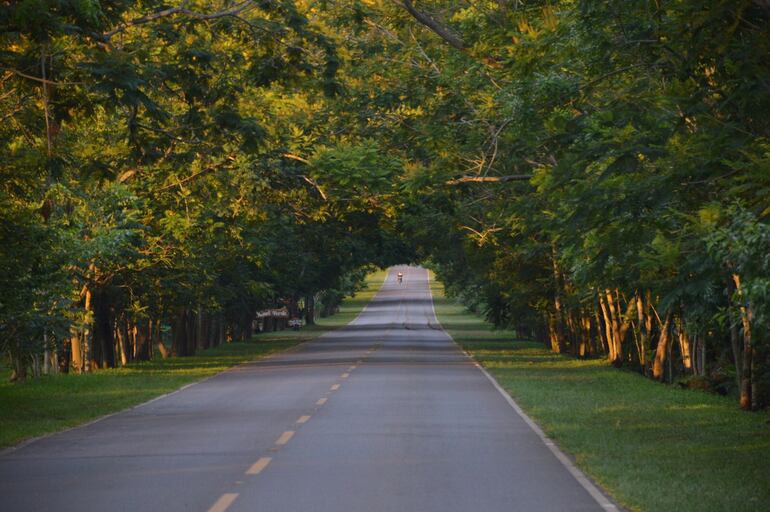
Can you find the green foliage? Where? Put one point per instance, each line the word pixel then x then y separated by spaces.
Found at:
pixel 650 447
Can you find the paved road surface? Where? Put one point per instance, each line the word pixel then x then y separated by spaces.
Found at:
pixel 384 415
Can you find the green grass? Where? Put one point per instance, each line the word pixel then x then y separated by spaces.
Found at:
pixel 652 447
pixel 53 403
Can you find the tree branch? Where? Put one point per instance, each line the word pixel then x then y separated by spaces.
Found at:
pixel 307 179
pixel 489 179
pixel 180 10
pixel 435 26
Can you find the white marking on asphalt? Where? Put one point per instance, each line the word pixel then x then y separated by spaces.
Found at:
pixel 259 466
pixel 345 375
pixel 578 475
pixel 321 401
pixel 303 419
pixel 224 502
pixel 352 368
pixel 335 387
pixel 285 437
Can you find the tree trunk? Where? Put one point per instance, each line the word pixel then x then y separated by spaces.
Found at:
pixel 142 340
pixel 599 331
pixel 618 326
pixel 661 351
pixel 191 332
pixel 201 331
pixel 221 337
pixel 124 343
pixel 77 353
pixel 179 333
pixel 557 327
pixel 103 349
pixel 684 346
pixel 644 332
pixel 46 355
pixel 86 334
pixel 553 333
pixel 19 369
pixel 164 352
pixel 585 335
pixel 611 356
pixel 310 309
pixel 746 400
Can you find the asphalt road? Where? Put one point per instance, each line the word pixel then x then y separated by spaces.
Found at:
pixel 386 414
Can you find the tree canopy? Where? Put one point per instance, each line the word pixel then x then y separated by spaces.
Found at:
pixel 593 174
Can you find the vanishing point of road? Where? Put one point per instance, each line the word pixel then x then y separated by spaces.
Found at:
pixel 386 414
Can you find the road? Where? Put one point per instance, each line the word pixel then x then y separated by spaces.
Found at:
pixel 386 414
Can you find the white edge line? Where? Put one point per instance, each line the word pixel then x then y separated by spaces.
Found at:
pixel 26 442
pixel 573 470
pixel 10 449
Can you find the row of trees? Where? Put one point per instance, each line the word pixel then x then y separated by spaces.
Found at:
pixel 164 172
pixel 597 175
pixel 592 174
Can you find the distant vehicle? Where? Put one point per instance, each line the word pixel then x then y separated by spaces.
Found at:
pixel 400 277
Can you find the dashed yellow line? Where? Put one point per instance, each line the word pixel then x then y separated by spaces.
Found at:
pixel 303 419
pixel 285 437
pixel 335 387
pixel 258 466
pixel 321 401
pixel 223 502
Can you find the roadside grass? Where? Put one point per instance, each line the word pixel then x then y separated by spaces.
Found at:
pixel 652 447
pixel 53 403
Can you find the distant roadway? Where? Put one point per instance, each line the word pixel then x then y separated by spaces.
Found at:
pixel 386 414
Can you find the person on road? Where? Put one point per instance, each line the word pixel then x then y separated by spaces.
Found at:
pixel 400 277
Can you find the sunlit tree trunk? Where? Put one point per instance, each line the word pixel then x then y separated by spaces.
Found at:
pixel 556 324
pixel 600 332
pixel 124 342
pixel 747 396
pixel 611 356
pixel 661 351
pixel 684 345
pixel 645 326
pixel 618 326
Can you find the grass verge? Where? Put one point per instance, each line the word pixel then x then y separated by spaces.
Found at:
pixel 54 403
pixel 651 446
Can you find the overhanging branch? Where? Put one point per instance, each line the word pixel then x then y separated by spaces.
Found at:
pixel 181 10
pixel 489 179
pixel 434 25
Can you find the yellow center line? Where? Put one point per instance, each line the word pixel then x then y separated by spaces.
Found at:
pixel 335 387
pixel 345 375
pixel 285 437
pixel 321 401
pixel 303 419
pixel 259 466
pixel 223 502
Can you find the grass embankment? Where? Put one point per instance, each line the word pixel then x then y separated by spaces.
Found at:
pixel 653 447
pixel 53 403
